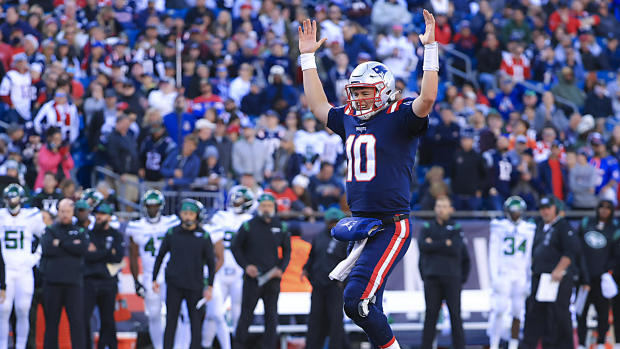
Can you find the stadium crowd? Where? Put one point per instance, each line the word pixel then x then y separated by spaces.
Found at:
pixel 203 95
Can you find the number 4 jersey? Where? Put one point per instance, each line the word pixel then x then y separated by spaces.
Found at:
pixel 510 248
pixel 380 156
pixel 148 237
pixel 17 235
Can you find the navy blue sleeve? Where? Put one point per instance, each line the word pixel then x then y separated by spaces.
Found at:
pixel 335 121
pixel 414 124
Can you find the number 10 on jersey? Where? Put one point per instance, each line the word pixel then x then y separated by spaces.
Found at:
pixel 353 147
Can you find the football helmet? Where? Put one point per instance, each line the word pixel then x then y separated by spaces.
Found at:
pixel 375 75
pixel 14 196
pixel 152 198
pixel 514 207
pixel 240 199
pixel 92 197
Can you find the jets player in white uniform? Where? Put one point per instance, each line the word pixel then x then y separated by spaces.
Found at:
pixel 510 251
pixel 18 227
pixel 145 236
pixel 229 278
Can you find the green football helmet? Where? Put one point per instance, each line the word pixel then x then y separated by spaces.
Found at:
pixel 92 197
pixel 240 199
pixel 152 205
pixel 514 207
pixel 14 196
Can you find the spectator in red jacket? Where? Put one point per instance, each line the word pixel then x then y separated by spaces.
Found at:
pixel 563 17
pixel 53 158
pixel 443 30
pixel 285 196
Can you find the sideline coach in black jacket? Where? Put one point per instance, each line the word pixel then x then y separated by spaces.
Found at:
pixel 62 265
pixel 444 266
pixel 325 317
pixel 255 248
pixel 190 250
pixel 555 248
pixel 105 249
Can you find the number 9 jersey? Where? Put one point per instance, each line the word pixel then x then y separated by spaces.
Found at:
pixel 17 235
pixel 380 156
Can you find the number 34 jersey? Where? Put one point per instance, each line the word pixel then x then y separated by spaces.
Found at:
pixel 510 247
pixel 16 236
pixel 148 236
pixel 380 155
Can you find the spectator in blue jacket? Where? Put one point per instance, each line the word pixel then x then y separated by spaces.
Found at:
pixel 181 167
pixel 443 138
pixel 356 42
pixel 279 94
pixel 13 23
pixel 179 123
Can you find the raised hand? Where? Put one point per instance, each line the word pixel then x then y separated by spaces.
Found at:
pixel 429 33
pixel 307 37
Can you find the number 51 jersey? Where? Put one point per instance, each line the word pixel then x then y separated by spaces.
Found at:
pixel 148 236
pixel 380 156
pixel 16 236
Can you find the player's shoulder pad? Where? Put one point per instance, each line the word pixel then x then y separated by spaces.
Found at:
pixel 396 106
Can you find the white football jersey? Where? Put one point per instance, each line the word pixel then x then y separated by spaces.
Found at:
pixel 16 236
pixel 510 247
pixel 19 88
pixel 148 237
pixel 224 225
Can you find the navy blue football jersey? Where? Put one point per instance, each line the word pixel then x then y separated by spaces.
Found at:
pixel 380 156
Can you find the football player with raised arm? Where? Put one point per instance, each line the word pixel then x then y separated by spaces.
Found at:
pixel 380 132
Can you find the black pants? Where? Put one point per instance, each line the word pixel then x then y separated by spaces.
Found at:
pixel 37 298
pixel 55 296
pixel 549 321
pixel 616 308
pixel 326 317
pixel 174 298
pixel 269 293
pixel 101 293
pixel 436 290
pixel 601 304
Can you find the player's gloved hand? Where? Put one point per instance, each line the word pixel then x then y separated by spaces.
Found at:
pixel 140 290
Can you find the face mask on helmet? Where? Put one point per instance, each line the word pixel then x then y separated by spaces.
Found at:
pixel 13 204
pixel 514 207
pixel 371 88
pixel 153 212
pixel 241 200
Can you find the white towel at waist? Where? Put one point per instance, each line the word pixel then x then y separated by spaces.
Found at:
pixel 342 270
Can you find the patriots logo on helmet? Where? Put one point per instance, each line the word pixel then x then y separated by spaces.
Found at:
pixel 380 69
